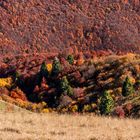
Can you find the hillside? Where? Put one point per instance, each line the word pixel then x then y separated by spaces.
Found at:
pixel 30 126
pixel 54 25
pixel 74 85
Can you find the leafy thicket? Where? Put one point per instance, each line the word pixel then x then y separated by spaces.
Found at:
pixel 70 87
pixel 89 26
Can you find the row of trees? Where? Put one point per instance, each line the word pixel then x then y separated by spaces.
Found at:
pixel 56 67
pixel 52 70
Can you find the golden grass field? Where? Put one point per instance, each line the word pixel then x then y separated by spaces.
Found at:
pixel 31 126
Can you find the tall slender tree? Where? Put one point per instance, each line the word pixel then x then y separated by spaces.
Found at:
pixel 43 70
pixel 56 66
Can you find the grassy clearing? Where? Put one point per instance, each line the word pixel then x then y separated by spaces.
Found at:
pixel 31 126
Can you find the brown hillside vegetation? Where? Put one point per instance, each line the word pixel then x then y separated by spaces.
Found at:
pixel 31 126
pixel 52 25
pixel 76 87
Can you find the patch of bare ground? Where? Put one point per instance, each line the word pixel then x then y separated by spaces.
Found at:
pixel 31 126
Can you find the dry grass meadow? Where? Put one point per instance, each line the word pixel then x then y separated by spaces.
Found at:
pixel 32 126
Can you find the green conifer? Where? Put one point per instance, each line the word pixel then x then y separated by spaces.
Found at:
pixel 65 87
pixel 43 70
pixel 64 84
pixel 106 103
pixel 56 66
pixel 70 59
pixel 127 88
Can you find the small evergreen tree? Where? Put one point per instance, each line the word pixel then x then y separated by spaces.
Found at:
pixel 70 59
pixel 43 70
pixel 64 84
pixel 65 87
pixel 106 103
pixel 127 88
pixel 56 66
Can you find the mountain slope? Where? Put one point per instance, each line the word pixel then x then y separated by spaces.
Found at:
pixel 50 26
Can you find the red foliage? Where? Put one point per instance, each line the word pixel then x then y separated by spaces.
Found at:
pixel 81 29
pixel 18 94
pixel 4 90
pixel 64 62
pixel 36 89
pixel 78 92
pixel 128 108
pixel 120 112
pixel 44 85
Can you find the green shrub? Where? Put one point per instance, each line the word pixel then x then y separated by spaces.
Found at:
pixel 70 59
pixel 127 88
pixel 65 87
pixel 106 103
pixel 64 84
